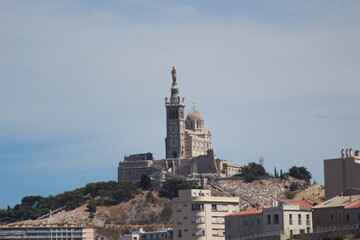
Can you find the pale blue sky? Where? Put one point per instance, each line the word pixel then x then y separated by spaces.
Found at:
pixel 82 83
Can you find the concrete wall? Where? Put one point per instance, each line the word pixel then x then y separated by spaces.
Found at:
pixel 340 175
pixel 240 225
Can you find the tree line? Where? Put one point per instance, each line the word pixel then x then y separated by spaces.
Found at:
pixel 33 207
pixel 254 170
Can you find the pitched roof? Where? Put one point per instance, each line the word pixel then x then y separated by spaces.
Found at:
pixel 340 201
pixel 250 211
pixel 302 204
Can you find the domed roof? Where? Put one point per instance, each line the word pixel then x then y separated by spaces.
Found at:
pixel 194 115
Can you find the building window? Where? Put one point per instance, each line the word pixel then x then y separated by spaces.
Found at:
pixel 229 223
pixel 217 220
pixel 218 232
pixel 307 219
pixel 347 217
pixel 299 219
pixel 290 219
pixel 198 232
pixel 179 233
pixel 268 219
pixel 358 216
pixel 331 216
pixel 198 219
pixel 178 208
pixel 340 215
pixel 197 207
pixel 276 219
pixel 213 207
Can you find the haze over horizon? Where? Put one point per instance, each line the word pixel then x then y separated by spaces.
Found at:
pixel 83 83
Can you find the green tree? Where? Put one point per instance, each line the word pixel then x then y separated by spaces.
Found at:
pixel 252 171
pixel 300 173
pixel 91 207
pixel 145 182
pixel 172 186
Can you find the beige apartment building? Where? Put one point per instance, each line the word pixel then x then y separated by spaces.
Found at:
pixel 199 215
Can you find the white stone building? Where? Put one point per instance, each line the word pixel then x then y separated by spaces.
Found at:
pixel 185 139
pixel 188 149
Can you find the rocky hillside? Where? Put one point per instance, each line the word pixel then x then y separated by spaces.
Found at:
pixel 260 192
pixel 145 210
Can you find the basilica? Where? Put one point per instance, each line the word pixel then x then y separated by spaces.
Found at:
pixel 188 149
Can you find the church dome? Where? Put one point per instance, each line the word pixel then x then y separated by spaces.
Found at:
pixel 194 120
pixel 194 115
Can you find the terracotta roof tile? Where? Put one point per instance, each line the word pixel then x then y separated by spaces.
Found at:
pixel 250 211
pixel 354 206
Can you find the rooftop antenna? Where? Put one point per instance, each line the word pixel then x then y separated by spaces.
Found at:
pixel 261 161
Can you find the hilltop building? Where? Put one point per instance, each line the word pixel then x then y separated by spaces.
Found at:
pixel 188 147
pixel 342 173
pixel 279 221
pixel 185 139
pixel 198 215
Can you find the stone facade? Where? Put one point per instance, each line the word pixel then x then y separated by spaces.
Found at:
pixel 185 139
pixel 188 149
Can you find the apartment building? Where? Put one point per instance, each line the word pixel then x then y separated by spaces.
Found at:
pixel 199 215
pixel 280 220
pixel 15 231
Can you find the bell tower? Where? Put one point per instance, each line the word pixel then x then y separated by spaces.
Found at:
pixel 175 122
